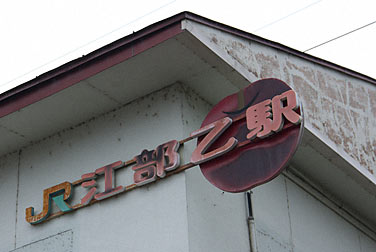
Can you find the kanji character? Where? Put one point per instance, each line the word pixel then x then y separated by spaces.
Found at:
pixel 109 178
pixel 265 117
pixel 213 131
pixel 109 190
pixel 155 163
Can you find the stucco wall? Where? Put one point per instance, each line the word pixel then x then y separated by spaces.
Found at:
pixel 150 218
pixel 182 213
pixel 174 214
pixel 340 107
pixel 8 200
pixel 289 218
pixel 217 220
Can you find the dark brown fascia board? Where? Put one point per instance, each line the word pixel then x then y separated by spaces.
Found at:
pixel 49 82
pixel 163 24
pixel 82 68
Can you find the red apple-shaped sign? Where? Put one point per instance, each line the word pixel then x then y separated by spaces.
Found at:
pixel 257 132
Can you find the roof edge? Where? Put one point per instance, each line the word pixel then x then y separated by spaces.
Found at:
pixel 276 45
pixel 77 63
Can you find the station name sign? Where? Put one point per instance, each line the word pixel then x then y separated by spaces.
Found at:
pixel 264 117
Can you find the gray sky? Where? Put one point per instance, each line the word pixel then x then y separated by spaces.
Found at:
pixel 40 35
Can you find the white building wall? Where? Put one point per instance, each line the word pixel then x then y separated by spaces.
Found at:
pixel 8 200
pixel 217 220
pixel 181 213
pixel 290 218
pixel 340 109
pixel 152 218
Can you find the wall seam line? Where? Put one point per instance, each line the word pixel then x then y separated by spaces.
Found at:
pixel 17 193
pixel 289 215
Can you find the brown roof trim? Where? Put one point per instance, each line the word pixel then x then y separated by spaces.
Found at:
pixel 51 81
pixel 91 56
pixel 79 69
